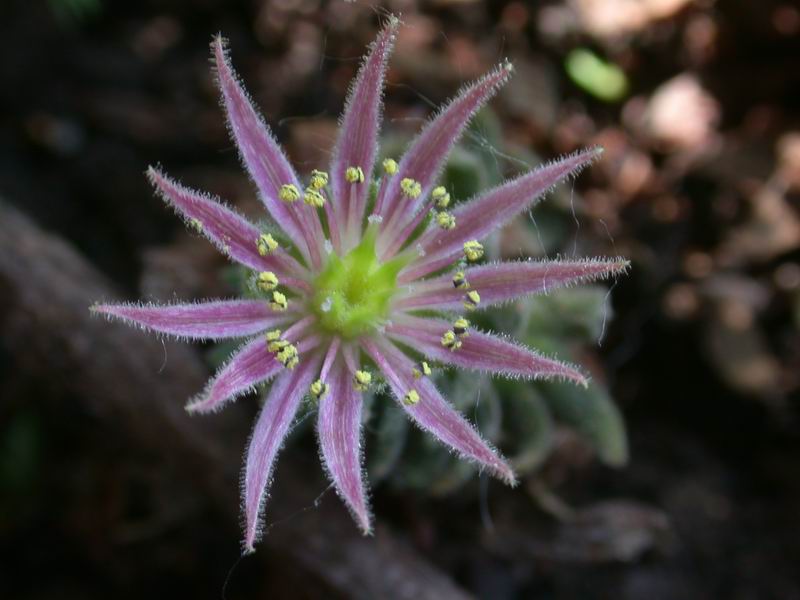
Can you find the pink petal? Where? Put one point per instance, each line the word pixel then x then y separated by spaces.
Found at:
pixel 479 351
pixel 500 282
pixel 433 413
pixel 269 433
pixel 207 320
pixel 252 364
pixel 427 154
pixel 339 431
pixel 358 135
pixel 478 218
pixel 230 232
pixel 265 161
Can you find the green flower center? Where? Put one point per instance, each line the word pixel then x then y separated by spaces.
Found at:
pixel 352 294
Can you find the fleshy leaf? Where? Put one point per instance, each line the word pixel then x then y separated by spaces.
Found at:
pixel 501 282
pixel 339 432
pixel 479 217
pixel 206 320
pixel 480 351
pixel 269 433
pixel 432 412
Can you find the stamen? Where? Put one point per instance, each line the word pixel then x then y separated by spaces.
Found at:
pixel 445 220
pixel 319 390
pixel 319 179
pixel 284 351
pixel 411 398
pixel 450 341
pixel 313 198
pixel 460 280
pixel 354 175
pixel 267 281
pixel 289 193
pixel 473 250
pixel 460 327
pixel 361 380
pixel 266 244
pixel 440 197
pixel 420 369
pixel 411 187
pixel 390 166
pixel 471 300
pixel 279 303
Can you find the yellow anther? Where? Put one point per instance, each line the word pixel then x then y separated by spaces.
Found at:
pixel 473 250
pixel 277 345
pixel 279 302
pixel 445 220
pixel 450 341
pixel 460 327
pixel 267 281
pixel 460 280
pixel 420 369
pixel 354 175
pixel 319 389
pixel 266 244
pixel 411 187
pixel 319 179
pixel 390 166
pixel 471 300
pixel 440 197
pixel 196 225
pixel 292 363
pixel 313 198
pixel 289 192
pixel 361 380
pixel 411 398
pixel 274 335
pixel 286 355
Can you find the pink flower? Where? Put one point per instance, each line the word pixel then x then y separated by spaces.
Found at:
pixel 352 291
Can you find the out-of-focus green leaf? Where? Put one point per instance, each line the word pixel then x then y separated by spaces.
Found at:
pixel 527 427
pixel 602 79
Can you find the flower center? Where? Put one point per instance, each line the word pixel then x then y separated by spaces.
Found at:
pixel 352 294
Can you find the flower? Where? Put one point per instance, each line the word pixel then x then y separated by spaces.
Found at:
pixel 366 279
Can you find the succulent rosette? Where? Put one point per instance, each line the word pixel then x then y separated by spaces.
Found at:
pixel 370 275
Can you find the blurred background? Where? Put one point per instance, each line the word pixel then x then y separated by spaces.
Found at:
pixel 675 476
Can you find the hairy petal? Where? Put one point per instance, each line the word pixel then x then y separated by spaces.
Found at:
pixel 480 351
pixel 479 217
pixel 357 144
pixel 501 282
pixel 207 320
pixel 230 232
pixel 269 433
pixel 265 160
pixel 339 432
pixel 428 152
pixel 433 413
pixel 252 364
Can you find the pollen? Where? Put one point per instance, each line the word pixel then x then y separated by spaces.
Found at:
pixel 420 369
pixel 411 398
pixel 472 300
pixel 390 166
pixel 313 198
pixel 319 179
pixel 473 250
pixel 266 244
pixel 450 341
pixel 361 380
pixel 287 356
pixel 273 335
pixel 440 197
pixel 460 327
pixel 445 220
pixel 354 175
pixel 289 193
pixel 460 280
pixel 411 187
pixel 319 389
pixel 267 281
pixel 279 303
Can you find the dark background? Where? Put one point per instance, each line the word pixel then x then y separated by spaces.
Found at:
pixel 108 491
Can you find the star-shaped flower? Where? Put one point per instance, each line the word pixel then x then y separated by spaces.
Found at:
pixel 373 276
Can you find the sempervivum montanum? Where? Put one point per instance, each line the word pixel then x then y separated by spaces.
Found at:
pixel 370 279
